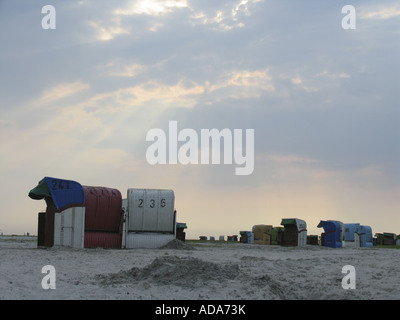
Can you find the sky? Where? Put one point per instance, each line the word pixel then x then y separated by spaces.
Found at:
pixel 77 102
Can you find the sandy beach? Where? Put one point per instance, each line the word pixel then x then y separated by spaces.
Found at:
pixel 194 270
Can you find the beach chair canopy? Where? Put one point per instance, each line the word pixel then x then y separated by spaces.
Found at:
pixel 295 233
pixel 333 232
pixel 64 193
pixel 151 210
pixel 365 236
pixel 181 225
pixel 301 225
pixel 103 209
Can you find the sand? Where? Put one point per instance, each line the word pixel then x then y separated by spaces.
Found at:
pixel 211 270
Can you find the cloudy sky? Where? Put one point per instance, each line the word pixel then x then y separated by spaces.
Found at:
pixel 77 101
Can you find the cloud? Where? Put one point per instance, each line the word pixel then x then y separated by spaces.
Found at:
pixel 300 82
pixel 325 73
pixel 61 91
pixel 172 95
pixel 224 18
pixel 154 92
pixel 106 31
pixel 181 94
pixel 243 80
pixel 220 20
pixel 151 7
pixel 382 13
pixel 128 71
